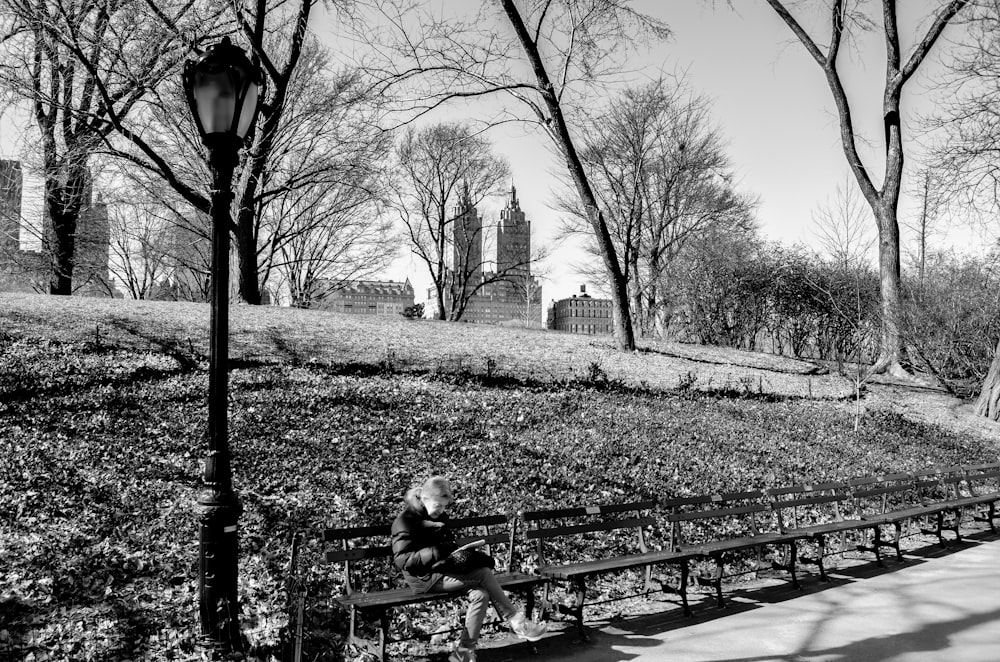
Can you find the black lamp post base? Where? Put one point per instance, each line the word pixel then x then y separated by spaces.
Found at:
pixel 218 514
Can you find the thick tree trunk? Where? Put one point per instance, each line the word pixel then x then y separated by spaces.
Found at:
pixel 988 404
pixel 890 344
pixel 65 189
pixel 246 247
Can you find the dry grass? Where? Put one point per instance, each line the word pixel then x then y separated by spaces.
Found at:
pixel 302 336
pixel 266 334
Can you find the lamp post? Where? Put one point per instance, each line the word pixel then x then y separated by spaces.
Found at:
pixel 222 87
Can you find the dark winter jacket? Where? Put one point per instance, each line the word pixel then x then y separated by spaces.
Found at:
pixel 418 542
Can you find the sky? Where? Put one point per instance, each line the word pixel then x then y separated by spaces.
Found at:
pixel 769 100
pixel 771 104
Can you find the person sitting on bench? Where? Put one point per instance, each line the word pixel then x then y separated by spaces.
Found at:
pixel 421 545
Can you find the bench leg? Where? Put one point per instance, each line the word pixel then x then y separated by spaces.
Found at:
pixel 988 516
pixel 580 595
pixel 789 566
pixel 938 529
pixel 383 633
pixel 820 555
pixel 352 636
pixel 876 545
pixel 719 568
pixel 683 588
pixel 957 525
pixel 898 526
pixel 792 552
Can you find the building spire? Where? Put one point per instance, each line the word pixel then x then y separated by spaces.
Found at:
pixel 466 200
pixel 512 202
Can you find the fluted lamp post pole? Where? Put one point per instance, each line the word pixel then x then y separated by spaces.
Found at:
pixel 222 87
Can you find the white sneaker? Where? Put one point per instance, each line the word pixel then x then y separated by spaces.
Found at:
pixel 462 655
pixel 528 629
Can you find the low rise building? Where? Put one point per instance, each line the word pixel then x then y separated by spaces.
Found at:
pixel 367 297
pixel 581 314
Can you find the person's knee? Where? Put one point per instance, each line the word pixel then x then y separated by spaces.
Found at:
pixel 478 597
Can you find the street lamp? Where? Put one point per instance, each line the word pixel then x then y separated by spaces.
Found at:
pixel 222 87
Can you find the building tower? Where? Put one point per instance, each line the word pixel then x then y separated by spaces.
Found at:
pixel 467 242
pixel 11 184
pixel 513 238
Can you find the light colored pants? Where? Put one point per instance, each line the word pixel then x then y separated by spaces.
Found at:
pixel 483 589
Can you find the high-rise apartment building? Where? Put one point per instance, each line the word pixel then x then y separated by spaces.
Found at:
pixel 510 292
pixel 11 185
pixel 467 243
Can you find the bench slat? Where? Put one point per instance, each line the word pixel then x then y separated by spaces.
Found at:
pixel 358 553
pixel 556 531
pixel 878 491
pixel 329 535
pixel 722 512
pixel 579 511
pixel 479 520
pixel 809 501
pixel 805 487
pixel 627 562
pixel 711 498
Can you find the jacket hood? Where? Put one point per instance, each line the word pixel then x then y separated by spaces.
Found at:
pixel 412 499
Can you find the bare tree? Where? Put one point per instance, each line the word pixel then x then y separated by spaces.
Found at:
pixel 140 244
pixel 846 16
pixel 932 204
pixel 332 237
pixel 545 57
pixel 968 169
pixel 78 65
pixel 661 174
pixel 843 226
pixel 444 171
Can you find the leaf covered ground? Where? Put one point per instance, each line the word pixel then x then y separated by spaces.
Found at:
pixel 102 423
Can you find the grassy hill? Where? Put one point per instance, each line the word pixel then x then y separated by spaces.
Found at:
pixel 102 419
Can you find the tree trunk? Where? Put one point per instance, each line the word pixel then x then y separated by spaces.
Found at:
pixel 891 345
pixel 559 130
pixel 246 247
pixel 988 404
pixel 65 189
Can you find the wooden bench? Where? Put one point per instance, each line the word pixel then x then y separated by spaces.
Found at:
pixel 362 548
pixel 746 525
pixel 579 527
pixel 956 489
pixel 932 496
pixel 814 512
pixel 983 482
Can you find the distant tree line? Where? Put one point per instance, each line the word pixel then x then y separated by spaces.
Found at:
pixel 749 294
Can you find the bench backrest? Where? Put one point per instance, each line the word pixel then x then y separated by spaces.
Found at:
pixel 711 517
pixel 872 495
pixel 594 523
pixel 939 484
pixel 983 479
pixel 366 551
pixel 809 504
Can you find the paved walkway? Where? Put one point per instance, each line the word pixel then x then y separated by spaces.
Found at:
pixel 939 606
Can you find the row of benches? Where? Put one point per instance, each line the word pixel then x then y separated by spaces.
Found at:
pixel 573 545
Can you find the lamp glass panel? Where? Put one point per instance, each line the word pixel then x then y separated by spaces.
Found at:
pixel 215 97
pixel 248 110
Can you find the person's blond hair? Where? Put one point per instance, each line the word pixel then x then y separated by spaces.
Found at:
pixel 437 486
